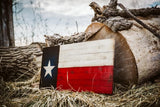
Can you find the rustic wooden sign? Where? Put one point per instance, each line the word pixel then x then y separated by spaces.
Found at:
pixel 86 66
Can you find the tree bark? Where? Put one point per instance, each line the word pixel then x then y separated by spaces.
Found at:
pixel 19 63
pixel 6 24
pixel 60 40
pixel 137 12
pixel 113 4
pixel 111 10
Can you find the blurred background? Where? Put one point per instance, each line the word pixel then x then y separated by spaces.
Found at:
pixel 35 18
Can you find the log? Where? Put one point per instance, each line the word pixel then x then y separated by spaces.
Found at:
pixel 60 40
pixel 19 63
pixel 111 10
pixel 125 68
pixel 143 12
pixel 137 52
pixel 117 23
pixel 146 49
pixel 140 22
pixel 139 40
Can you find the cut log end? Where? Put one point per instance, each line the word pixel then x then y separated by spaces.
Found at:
pixel 125 69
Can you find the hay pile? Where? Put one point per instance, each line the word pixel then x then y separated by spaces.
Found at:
pixel 27 94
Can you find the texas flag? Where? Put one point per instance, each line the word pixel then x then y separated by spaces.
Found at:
pixel 86 66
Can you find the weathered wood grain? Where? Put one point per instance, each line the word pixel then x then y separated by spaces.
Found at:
pixel 125 68
pixel 93 53
pixel 19 63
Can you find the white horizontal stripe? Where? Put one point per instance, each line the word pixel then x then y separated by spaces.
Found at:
pixel 86 57
pixel 91 49
pixel 92 53
pixel 98 44
pixel 84 61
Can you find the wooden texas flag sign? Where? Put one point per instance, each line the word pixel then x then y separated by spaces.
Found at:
pixel 86 66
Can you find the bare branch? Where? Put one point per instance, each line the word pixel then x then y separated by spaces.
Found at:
pixel 153 31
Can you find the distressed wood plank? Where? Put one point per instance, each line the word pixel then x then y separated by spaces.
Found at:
pixel 99 44
pixel 97 53
pixel 87 60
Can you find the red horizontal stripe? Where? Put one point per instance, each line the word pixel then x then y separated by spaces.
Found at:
pixel 89 82
pixel 97 76
pixel 98 79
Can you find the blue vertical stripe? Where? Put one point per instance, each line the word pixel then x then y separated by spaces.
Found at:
pixel 49 54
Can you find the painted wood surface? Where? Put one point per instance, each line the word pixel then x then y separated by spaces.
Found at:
pixel 86 66
pixel 98 79
pixel 95 53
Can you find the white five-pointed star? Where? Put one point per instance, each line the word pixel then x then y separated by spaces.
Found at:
pixel 48 69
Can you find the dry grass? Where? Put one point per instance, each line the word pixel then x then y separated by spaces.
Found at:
pixel 28 94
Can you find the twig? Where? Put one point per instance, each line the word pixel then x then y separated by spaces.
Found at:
pixel 139 21
pixel 69 83
pixel 77 26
